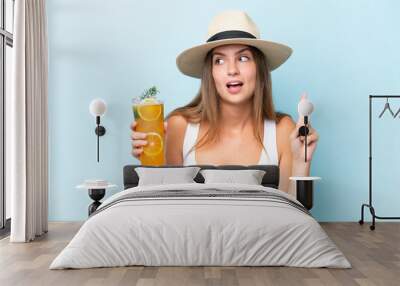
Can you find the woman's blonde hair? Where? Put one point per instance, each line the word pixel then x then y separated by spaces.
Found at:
pixel 205 106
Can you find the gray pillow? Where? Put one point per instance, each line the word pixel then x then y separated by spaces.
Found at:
pixel 249 177
pixel 167 175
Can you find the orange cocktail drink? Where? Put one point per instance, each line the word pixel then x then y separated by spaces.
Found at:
pixel 149 115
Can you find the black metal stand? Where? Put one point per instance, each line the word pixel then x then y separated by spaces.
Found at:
pixel 96 195
pixel 369 205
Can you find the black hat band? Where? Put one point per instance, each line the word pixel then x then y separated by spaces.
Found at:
pixel 230 35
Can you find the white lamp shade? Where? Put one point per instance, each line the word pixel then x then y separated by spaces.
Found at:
pixel 305 107
pixel 97 107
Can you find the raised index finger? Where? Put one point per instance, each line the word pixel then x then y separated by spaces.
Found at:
pixel 300 122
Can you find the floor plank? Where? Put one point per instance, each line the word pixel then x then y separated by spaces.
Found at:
pixel 374 255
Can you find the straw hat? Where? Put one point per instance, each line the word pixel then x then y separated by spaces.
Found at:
pixel 231 27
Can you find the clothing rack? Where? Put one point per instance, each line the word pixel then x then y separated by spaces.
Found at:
pixel 369 205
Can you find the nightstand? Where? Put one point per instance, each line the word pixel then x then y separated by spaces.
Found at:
pixel 96 190
pixel 304 190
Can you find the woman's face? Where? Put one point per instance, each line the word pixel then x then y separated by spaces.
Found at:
pixel 234 73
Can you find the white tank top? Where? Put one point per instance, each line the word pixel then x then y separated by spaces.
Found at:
pixel 267 158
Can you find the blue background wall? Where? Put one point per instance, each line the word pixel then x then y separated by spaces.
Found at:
pixel 343 51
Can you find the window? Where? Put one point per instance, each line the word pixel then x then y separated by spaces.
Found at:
pixel 6 44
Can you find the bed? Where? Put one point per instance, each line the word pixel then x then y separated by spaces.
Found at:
pixel 201 224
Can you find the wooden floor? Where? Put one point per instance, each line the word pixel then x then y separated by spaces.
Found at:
pixel 374 255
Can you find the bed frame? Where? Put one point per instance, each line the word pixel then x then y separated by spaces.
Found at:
pixel 270 179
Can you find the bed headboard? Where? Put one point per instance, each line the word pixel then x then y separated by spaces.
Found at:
pixel 270 179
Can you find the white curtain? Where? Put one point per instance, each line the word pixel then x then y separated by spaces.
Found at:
pixel 27 159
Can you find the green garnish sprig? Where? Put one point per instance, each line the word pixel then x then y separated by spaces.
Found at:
pixel 151 92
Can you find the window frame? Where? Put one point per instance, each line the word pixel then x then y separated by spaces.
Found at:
pixel 6 39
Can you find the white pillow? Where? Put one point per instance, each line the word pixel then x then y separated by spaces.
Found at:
pixel 249 177
pixel 167 175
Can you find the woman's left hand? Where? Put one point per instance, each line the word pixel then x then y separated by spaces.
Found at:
pixel 298 142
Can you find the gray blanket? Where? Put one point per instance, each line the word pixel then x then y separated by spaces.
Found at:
pixel 201 224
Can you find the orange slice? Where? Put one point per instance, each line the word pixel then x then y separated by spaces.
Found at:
pixel 154 144
pixel 149 112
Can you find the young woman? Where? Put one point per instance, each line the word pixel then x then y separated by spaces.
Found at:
pixel 232 119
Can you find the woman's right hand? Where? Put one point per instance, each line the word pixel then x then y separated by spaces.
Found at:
pixel 139 139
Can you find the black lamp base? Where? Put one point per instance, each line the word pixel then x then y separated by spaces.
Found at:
pixel 100 130
pixel 303 130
